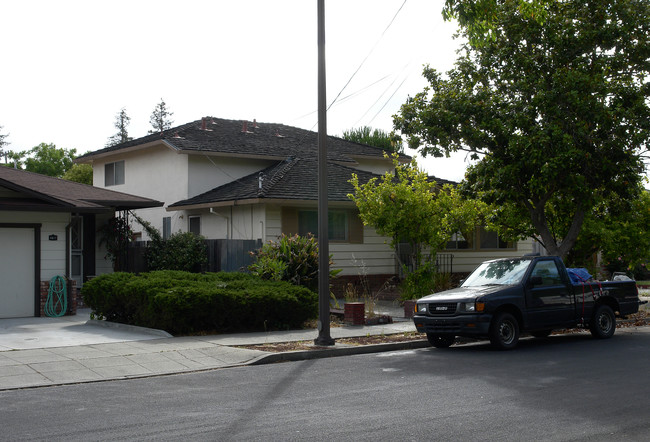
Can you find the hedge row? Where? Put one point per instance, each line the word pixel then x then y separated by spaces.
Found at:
pixel 182 302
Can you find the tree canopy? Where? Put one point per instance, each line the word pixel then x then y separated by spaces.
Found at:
pixel 556 112
pixel 80 173
pixel 45 159
pixel 160 118
pixel 375 137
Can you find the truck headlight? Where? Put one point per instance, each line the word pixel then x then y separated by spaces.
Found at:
pixel 421 308
pixel 472 307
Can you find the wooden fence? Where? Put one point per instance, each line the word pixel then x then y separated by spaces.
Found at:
pixel 228 255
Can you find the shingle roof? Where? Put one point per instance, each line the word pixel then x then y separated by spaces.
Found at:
pixel 41 192
pixel 292 179
pixel 255 139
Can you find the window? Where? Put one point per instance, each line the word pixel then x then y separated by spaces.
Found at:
pixel 167 227
pixel 114 173
pixel 459 242
pixel 490 240
pixel 195 225
pixel 547 270
pixel 337 224
pixel 486 240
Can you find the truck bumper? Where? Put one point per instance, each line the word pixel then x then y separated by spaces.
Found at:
pixel 460 325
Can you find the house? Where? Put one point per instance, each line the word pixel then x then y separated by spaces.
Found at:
pixel 228 179
pixel 48 228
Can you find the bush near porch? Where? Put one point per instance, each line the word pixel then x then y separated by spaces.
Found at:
pixel 182 302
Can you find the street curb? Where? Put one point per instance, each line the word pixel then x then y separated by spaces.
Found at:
pixel 323 352
pixel 130 328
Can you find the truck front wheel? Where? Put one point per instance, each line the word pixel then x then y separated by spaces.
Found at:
pixel 440 341
pixel 504 331
pixel 603 323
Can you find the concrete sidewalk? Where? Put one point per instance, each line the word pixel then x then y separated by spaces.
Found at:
pixel 30 356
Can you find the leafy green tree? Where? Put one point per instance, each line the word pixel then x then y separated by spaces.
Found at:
pixel 557 112
pixel 160 118
pixel 375 137
pixel 619 231
pixel 407 206
pixel 122 121
pixel 479 17
pixel 80 173
pixel 45 159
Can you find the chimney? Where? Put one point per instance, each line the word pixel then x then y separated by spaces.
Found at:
pixel 244 128
pixel 203 122
pixel 255 126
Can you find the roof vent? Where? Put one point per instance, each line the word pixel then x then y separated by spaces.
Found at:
pixel 277 134
pixel 255 126
pixel 260 180
pixel 203 123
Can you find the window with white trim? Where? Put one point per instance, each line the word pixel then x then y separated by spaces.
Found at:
pixel 114 173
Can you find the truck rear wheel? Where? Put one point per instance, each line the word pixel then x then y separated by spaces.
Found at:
pixel 440 341
pixel 504 331
pixel 603 323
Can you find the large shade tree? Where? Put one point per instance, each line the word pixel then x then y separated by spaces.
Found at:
pixel 556 112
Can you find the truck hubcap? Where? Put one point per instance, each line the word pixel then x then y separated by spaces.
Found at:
pixel 506 332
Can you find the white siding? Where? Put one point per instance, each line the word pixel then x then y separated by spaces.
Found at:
pixel 158 173
pixel 207 172
pixel 374 165
pixel 468 260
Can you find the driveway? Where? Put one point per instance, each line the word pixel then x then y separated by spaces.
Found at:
pixel 29 333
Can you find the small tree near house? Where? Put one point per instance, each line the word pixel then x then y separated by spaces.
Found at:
pixel 407 206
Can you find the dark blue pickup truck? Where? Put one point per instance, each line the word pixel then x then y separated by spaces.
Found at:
pixel 533 294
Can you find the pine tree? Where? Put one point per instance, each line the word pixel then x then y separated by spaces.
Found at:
pixel 122 120
pixel 160 118
pixel 3 143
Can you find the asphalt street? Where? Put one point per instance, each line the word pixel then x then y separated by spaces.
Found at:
pixel 568 387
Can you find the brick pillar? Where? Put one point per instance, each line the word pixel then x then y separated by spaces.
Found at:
pixel 71 293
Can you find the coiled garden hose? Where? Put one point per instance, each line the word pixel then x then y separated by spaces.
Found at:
pixel 57 298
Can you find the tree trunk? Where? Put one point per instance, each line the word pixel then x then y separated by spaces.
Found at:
pixel 561 248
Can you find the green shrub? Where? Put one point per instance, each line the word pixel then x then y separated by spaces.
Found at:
pixel 291 258
pixel 424 281
pixel 182 251
pixel 183 302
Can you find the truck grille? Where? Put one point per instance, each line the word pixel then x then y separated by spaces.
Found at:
pixel 441 308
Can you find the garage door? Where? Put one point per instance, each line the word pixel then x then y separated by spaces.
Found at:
pixel 16 272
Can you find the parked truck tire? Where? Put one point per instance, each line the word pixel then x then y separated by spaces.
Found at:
pixel 440 341
pixel 603 322
pixel 504 331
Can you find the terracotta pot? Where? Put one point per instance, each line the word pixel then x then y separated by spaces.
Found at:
pixel 354 313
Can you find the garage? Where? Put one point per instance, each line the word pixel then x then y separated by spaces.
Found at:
pixel 48 228
pixel 17 272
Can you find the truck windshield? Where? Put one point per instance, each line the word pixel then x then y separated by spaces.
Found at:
pixel 502 272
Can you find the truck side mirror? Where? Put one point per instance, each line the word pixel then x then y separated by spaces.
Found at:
pixel 536 280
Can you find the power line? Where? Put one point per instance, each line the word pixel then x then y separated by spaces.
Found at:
pixel 367 56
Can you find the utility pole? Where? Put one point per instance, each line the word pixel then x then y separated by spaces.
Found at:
pixel 324 337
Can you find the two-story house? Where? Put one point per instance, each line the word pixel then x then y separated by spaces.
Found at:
pixel 227 179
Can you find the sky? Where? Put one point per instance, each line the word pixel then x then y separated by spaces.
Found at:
pixel 69 67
